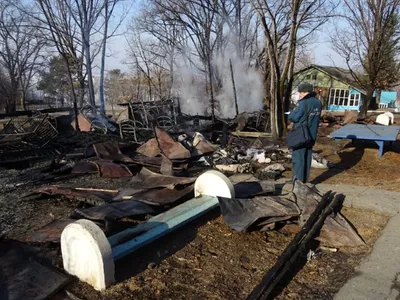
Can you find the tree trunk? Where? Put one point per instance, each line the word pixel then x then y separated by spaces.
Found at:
pixel 211 88
pixel 267 82
pixel 11 105
pixel 86 41
pixel 365 105
pixel 280 112
pixel 171 73
pixel 103 60
pixel 273 93
pixel 74 98
pixel 23 101
pixel 274 114
pixel 92 100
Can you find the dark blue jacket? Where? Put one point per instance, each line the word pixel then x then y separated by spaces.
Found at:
pixel 298 116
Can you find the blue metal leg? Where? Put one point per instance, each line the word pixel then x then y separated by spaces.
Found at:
pixel 381 145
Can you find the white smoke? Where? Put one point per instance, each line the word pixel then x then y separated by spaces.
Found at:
pixel 248 84
pixel 191 90
pixel 192 87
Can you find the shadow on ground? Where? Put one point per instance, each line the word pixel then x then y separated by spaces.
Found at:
pixel 347 161
pixel 167 246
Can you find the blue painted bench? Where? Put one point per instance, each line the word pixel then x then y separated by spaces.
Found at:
pixel 377 133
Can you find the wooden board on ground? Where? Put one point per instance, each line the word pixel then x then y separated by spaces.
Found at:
pixel 251 134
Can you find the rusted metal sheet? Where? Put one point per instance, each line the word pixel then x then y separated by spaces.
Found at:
pixel 110 151
pixel 112 170
pixel 50 232
pixel 244 214
pixel 164 196
pixel 150 148
pixel 85 167
pixel 148 161
pixel 147 179
pixel 156 162
pixel 168 146
pixel 106 169
pixel 127 193
pixel 337 230
pixel 201 145
pixel 166 166
pixel 23 277
pixel 204 147
pixel 116 210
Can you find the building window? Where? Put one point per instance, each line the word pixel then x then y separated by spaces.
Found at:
pixel 314 77
pixel 308 76
pixel 354 100
pixel 339 97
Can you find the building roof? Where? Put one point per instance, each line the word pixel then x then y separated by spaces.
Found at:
pixel 339 74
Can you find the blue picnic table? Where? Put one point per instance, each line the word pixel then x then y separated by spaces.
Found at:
pixel 377 133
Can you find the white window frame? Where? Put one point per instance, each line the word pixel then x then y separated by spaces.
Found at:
pixel 343 97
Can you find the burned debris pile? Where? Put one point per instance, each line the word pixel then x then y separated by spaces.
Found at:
pixel 21 139
pixel 119 182
pixel 113 179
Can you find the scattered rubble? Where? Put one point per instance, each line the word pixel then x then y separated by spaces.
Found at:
pixel 169 147
pixel 148 178
pixel 259 212
pixel 271 172
pixel 235 168
pixel 320 162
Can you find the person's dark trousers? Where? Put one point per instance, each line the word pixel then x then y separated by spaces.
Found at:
pixel 301 160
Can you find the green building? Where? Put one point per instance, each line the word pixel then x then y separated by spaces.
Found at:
pixel 336 88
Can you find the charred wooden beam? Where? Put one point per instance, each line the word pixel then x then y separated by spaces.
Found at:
pixel 297 247
pixel 234 88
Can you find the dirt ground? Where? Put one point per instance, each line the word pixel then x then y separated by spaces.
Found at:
pixel 208 260
pixel 359 164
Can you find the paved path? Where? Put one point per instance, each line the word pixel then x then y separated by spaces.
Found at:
pixel 378 276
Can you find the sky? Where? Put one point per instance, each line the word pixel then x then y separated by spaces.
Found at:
pixel 117 54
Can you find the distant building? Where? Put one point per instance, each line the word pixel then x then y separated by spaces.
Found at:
pixel 336 88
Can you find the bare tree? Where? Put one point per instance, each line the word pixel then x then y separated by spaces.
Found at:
pixel 304 58
pixel 86 14
pixel 165 42
pixel 56 20
pixel 108 11
pixel 20 47
pixel 369 43
pixel 198 20
pixel 286 23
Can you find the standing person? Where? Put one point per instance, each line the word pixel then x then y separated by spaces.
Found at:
pixel 307 112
